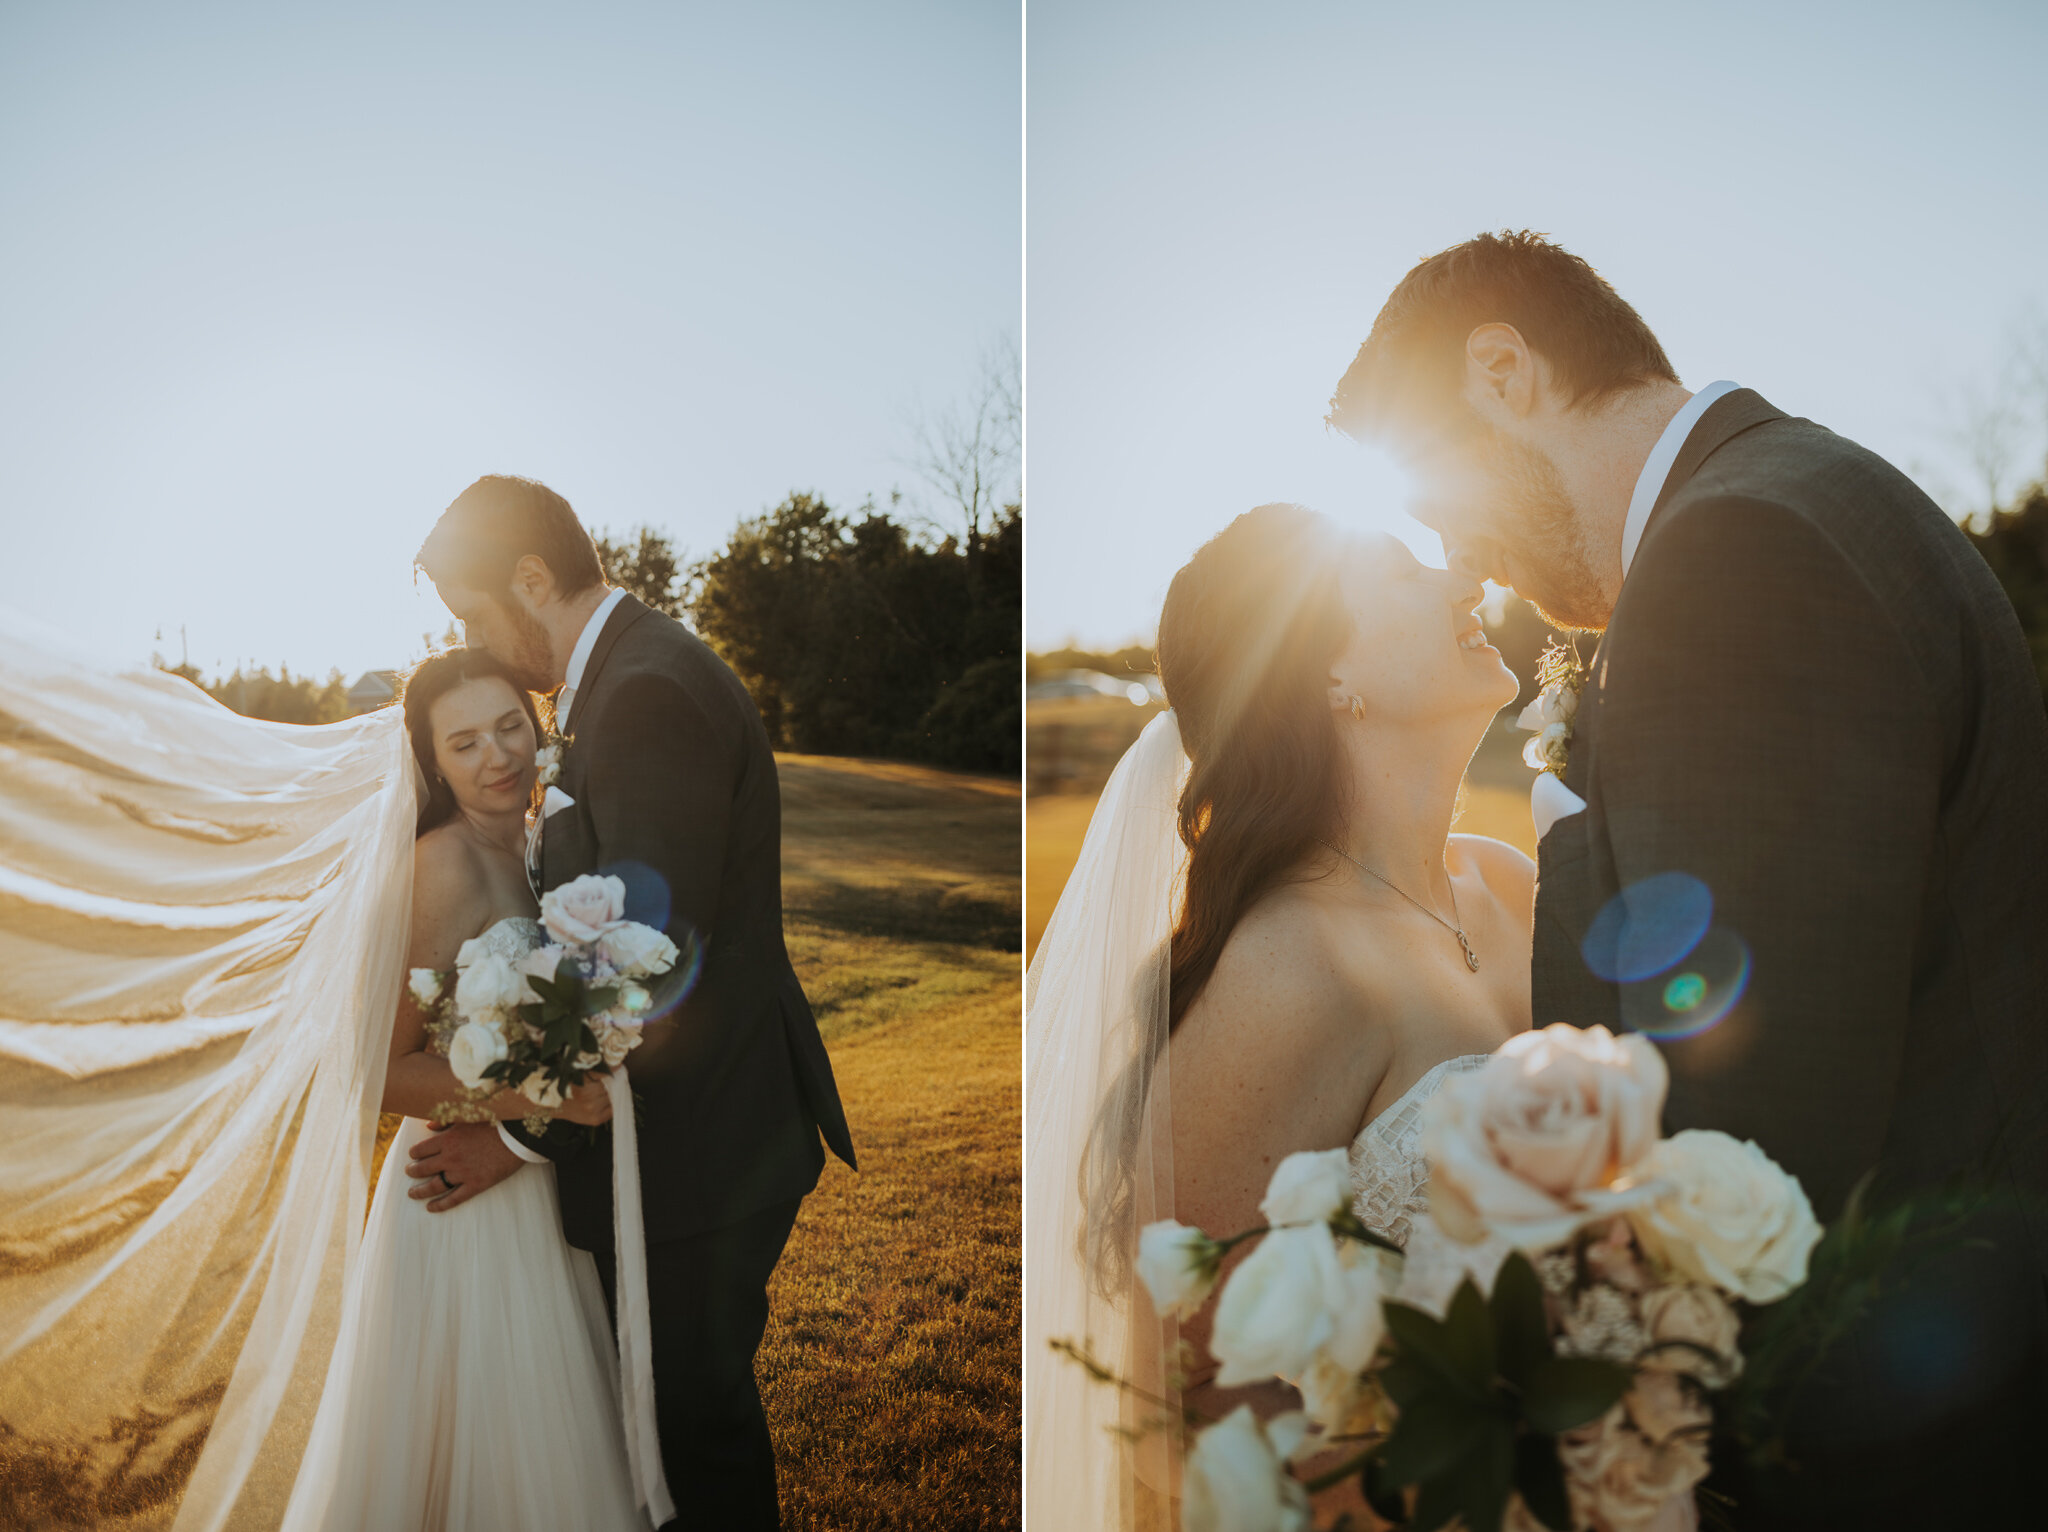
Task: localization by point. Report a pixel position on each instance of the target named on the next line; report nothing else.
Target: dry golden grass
(1057, 823)
(890, 1369)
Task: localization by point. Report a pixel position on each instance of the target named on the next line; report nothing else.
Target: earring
(1358, 707)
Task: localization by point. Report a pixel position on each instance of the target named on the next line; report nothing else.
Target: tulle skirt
(475, 1383)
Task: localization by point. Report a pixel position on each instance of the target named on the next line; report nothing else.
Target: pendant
(1471, 957)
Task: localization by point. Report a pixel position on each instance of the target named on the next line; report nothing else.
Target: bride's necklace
(1458, 930)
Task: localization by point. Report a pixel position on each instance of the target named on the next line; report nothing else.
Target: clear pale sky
(276, 282)
(1843, 206)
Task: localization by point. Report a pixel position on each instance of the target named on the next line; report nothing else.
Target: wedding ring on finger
(445, 1182)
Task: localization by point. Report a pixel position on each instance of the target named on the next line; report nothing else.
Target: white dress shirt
(579, 657)
(579, 661)
(1550, 800)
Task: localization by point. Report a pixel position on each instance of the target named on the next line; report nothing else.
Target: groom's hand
(454, 1164)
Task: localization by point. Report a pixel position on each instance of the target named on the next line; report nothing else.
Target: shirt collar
(579, 657)
(1650, 483)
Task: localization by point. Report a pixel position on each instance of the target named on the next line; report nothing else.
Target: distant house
(373, 689)
(1136, 689)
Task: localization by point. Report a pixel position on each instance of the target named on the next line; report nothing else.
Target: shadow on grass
(961, 916)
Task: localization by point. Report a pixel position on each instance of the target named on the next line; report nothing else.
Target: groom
(1813, 699)
(669, 783)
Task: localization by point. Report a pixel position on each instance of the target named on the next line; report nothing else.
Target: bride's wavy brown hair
(1247, 636)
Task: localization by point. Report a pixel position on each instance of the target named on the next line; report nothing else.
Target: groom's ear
(1501, 372)
(533, 583)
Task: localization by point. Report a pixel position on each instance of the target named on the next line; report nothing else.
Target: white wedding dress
(474, 1383)
(1390, 1195)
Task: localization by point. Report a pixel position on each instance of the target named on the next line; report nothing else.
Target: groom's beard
(532, 661)
(1539, 528)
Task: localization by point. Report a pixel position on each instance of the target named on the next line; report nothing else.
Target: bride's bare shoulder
(1289, 965)
(1507, 871)
(443, 859)
(450, 888)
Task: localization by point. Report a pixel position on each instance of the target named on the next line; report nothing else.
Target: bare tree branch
(969, 453)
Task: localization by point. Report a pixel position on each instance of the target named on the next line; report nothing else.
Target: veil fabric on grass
(1098, 1160)
(203, 924)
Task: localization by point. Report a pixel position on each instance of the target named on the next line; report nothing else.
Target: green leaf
(1568, 1391)
(1405, 1379)
(1438, 1504)
(600, 1000)
(1468, 1336)
(1381, 1494)
(1521, 1331)
(1539, 1477)
(1431, 1437)
(1486, 1478)
(1474, 1489)
(1424, 1339)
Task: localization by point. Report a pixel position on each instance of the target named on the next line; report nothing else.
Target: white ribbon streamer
(636, 1330)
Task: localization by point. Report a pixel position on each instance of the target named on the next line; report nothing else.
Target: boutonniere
(549, 757)
(1560, 677)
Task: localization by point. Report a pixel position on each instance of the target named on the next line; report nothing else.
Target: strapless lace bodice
(512, 937)
(1388, 1172)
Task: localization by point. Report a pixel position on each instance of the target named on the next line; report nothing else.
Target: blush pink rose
(1540, 1140)
(579, 913)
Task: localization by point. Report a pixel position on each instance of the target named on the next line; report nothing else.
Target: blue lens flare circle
(1648, 928)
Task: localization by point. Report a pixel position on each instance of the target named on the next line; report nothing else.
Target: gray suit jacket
(1814, 697)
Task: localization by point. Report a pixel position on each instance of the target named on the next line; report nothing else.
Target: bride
(474, 1384)
(1272, 942)
(203, 937)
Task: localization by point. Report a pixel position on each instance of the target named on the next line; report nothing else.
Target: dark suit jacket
(1814, 697)
(675, 791)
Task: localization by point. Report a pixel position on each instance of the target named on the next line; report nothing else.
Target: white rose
(1177, 1264)
(1285, 1306)
(475, 1046)
(1729, 1215)
(581, 911)
(637, 950)
(489, 984)
(614, 1043)
(1309, 1187)
(1553, 705)
(1235, 1482)
(425, 984)
(540, 1090)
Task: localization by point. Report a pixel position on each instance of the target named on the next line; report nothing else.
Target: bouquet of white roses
(1548, 1359)
(543, 1023)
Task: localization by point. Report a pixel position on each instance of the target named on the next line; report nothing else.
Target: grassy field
(890, 1368)
(1057, 822)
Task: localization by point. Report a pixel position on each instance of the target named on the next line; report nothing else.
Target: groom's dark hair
(499, 520)
(1412, 366)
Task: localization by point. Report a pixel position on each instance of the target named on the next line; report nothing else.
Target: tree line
(875, 632)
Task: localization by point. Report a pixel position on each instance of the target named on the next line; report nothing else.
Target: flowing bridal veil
(203, 922)
(1098, 1158)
